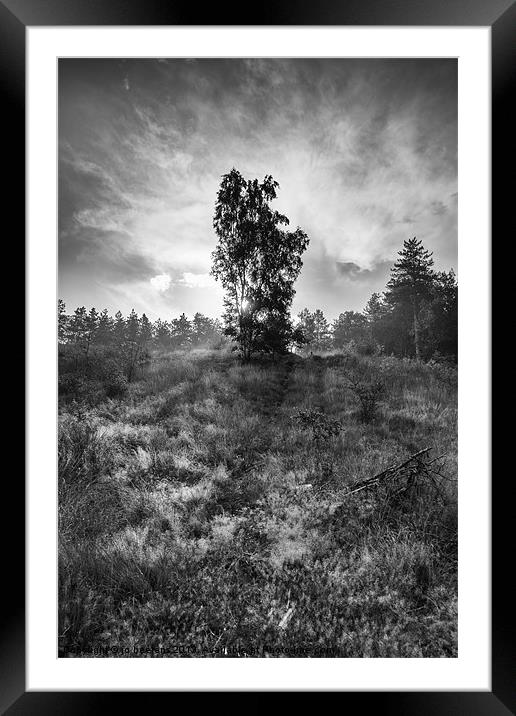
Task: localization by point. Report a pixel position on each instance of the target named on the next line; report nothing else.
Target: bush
(69, 383)
(323, 430)
(322, 427)
(364, 347)
(92, 379)
(370, 393)
(114, 382)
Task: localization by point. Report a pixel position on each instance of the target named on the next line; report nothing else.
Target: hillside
(201, 515)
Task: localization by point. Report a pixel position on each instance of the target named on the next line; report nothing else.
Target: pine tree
(91, 326)
(119, 331)
(349, 326)
(440, 318)
(375, 308)
(145, 336)
(181, 330)
(376, 314)
(411, 283)
(307, 326)
(77, 333)
(162, 333)
(203, 330)
(322, 337)
(132, 343)
(315, 329)
(105, 328)
(62, 322)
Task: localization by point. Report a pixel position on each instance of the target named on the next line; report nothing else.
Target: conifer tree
(181, 330)
(132, 342)
(322, 337)
(91, 326)
(62, 322)
(105, 328)
(349, 326)
(119, 331)
(162, 333)
(411, 283)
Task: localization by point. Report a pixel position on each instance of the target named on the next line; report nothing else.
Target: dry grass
(197, 516)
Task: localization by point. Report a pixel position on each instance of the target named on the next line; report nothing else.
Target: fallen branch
(395, 471)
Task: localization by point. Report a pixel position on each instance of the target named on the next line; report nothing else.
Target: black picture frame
(500, 16)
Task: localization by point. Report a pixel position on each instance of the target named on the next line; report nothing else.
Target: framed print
(258, 427)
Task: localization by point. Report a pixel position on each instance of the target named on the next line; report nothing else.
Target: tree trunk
(416, 332)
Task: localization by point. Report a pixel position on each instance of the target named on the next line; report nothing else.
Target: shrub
(323, 430)
(364, 347)
(322, 427)
(370, 393)
(115, 383)
(69, 383)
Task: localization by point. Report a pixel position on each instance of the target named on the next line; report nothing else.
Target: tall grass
(197, 516)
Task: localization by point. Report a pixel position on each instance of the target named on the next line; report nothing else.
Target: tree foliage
(91, 343)
(410, 284)
(257, 262)
(316, 330)
(417, 314)
(349, 327)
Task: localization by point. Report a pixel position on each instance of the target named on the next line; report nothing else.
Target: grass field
(198, 516)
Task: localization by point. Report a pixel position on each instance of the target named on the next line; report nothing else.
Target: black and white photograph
(257, 358)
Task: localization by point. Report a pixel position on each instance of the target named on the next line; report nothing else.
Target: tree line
(416, 316)
(257, 260)
(85, 335)
(85, 328)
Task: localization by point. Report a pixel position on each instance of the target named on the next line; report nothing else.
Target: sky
(365, 153)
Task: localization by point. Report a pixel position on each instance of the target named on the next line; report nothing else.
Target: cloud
(161, 282)
(438, 208)
(364, 151)
(354, 272)
(198, 280)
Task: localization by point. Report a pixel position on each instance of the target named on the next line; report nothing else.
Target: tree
(440, 316)
(255, 260)
(315, 329)
(181, 332)
(375, 309)
(104, 333)
(77, 330)
(131, 343)
(145, 332)
(349, 326)
(306, 326)
(119, 331)
(411, 283)
(91, 325)
(322, 336)
(62, 321)
(138, 335)
(162, 333)
(379, 328)
(277, 334)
